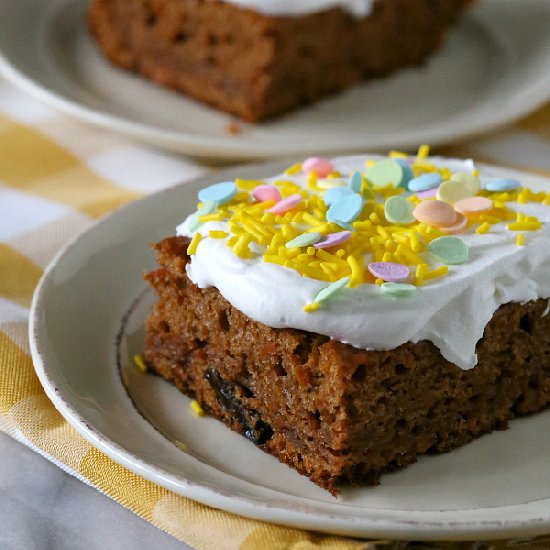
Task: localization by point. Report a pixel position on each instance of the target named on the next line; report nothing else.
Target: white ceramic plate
(497, 486)
(494, 68)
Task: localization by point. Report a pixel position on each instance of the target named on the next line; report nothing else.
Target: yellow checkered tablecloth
(56, 177)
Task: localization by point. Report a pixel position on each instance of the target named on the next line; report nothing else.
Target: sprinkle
(449, 249)
(389, 271)
(398, 289)
(213, 234)
(322, 167)
(356, 182)
(502, 184)
(483, 228)
(428, 194)
(452, 191)
(312, 306)
(336, 194)
(424, 182)
(139, 363)
(459, 226)
(265, 193)
(192, 248)
(326, 293)
(219, 193)
(294, 169)
(332, 239)
(385, 172)
(423, 152)
(356, 272)
(305, 239)
(286, 204)
(435, 212)
(520, 239)
(474, 205)
(398, 209)
(524, 226)
(408, 174)
(471, 181)
(331, 183)
(196, 408)
(439, 272)
(346, 209)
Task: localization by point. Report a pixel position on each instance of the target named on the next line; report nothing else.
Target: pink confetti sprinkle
(333, 239)
(389, 271)
(436, 213)
(457, 227)
(286, 204)
(266, 193)
(429, 194)
(321, 166)
(474, 205)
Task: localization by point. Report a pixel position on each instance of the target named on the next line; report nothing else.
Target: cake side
(258, 66)
(334, 412)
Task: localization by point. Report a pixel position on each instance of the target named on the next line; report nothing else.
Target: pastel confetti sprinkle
(336, 194)
(331, 183)
(434, 212)
(333, 239)
(431, 180)
(220, 193)
(459, 226)
(305, 239)
(401, 290)
(346, 209)
(285, 205)
(398, 209)
(385, 172)
(193, 223)
(356, 182)
(474, 205)
(408, 174)
(322, 167)
(471, 181)
(449, 249)
(428, 194)
(452, 191)
(326, 293)
(389, 271)
(502, 184)
(264, 193)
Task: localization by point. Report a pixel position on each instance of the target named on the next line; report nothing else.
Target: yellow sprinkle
(312, 220)
(139, 363)
(248, 184)
(519, 239)
(217, 234)
(294, 169)
(387, 257)
(181, 445)
(370, 163)
(379, 282)
(397, 154)
(197, 409)
(423, 152)
(232, 240)
(524, 226)
(310, 251)
(216, 217)
(274, 259)
(334, 175)
(356, 272)
(313, 306)
(421, 270)
(483, 228)
(240, 248)
(438, 272)
(373, 217)
(192, 248)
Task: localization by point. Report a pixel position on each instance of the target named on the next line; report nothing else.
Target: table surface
(43, 507)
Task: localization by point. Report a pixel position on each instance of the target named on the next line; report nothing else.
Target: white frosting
(450, 311)
(358, 8)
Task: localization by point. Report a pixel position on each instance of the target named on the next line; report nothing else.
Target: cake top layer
(358, 8)
(376, 251)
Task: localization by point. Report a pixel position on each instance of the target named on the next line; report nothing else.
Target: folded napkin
(56, 177)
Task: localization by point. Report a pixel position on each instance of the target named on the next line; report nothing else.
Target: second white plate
(494, 68)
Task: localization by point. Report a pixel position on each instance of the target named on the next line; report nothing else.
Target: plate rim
(531, 96)
(375, 522)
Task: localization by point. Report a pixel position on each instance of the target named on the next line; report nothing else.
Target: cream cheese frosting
(358, 8)
(450, 311)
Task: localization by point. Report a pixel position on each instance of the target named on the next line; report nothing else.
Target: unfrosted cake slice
(352, 314)
(260, 58)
